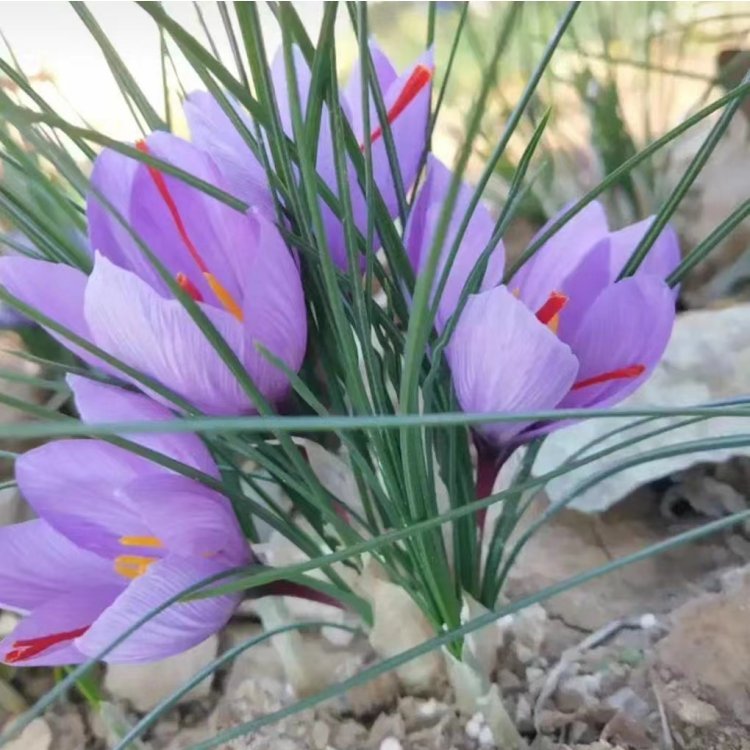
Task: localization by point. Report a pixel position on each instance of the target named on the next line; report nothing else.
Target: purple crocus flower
(563, 333)
(235, 265)
(116, 536)
(407, 102)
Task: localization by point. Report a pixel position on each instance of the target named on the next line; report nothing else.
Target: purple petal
(58, 619)
(274, 312)
(663, 257)
(74, 485)
(189, 518)
(212, 131)
(386, 75)
(549, 267)
(112, 178)
(409, 130)
(422, 226)
(98, 403)
(180, 627)
(158, 337)
(57, 291)
(504, 360)
(582, 286)
(215, 231)
(281, 84)
(38, 563)
(628, 326)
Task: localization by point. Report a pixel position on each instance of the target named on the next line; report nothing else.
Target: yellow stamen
(140, 541)
(554, 323)
(132, 566)
(226, 299)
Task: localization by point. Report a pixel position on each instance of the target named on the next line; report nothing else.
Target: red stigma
(554, 304)
(27, 649)
(633, 371)
(420, 77)
(188, 287)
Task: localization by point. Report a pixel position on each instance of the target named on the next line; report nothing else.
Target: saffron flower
(564, 332)
(116, 536)
(234, 265)
(407, 103)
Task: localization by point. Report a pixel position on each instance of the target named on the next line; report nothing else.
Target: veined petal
(213, 131)
(190, 519)
(47, 636)
(625, 330)
(663, 257)
(191, 232)
(158, 337)
(422, 226)
(74, 485)
(385, 74)
(504, 360)
(178, 628)
(547, 270)
(37, 563)
(57, 291)
(112, 178)
(409, 116)
(98, 402)
(274, 312)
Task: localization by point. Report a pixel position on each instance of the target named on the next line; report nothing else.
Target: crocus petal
(57, 291)
(112, 178)
(628, 325)
(57, 622)
(74, 486)
(557, 258)
(582, 286)
(281, 84)
(179, 627)
(422, 226)
(663, 257)
(504, 360)
(214, 230)
(213, 131)
(158, 337)
(190, 519)
(98, 402)
(409, 130)
(385, 74)
(38, 563)
(274, 312)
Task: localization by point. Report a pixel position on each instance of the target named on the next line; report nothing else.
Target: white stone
(485, 737)
(707, 360)
(36, 736)
(391, 743)
(473, 729)
(145, 685)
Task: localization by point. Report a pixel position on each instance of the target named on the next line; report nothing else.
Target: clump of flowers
(174, 268)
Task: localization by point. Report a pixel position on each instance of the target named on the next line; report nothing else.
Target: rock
(67, 729)
(528, 628)
(573, 542)
(387, 726)
(578, 692)
(36, 736)
(399, 624)
(708, 359)
(319, 735)
(145, 685)
(708, 653)
(691, 710)
(627, 702)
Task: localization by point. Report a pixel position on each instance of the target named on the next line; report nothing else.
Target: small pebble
(648, 621)
(473, 729)
(391, 743)
(485, 737)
